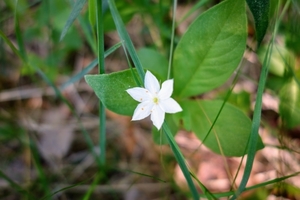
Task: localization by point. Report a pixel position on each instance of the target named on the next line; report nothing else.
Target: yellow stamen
(155, 100)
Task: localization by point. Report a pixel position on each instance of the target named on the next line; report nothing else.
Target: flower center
(155, 100)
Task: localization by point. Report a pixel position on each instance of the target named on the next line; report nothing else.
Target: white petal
(142, 111)
(170, 106)
(151, 83)
(157, 116)
(139, 94)
(166, 89)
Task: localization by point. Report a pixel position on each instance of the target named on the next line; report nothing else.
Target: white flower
(154, 101)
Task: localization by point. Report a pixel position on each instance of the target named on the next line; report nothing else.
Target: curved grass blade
(180, 159)
(62, 189)
(276, 180)
(125, 37)
(92, 187)
(12, 47)
(16, 186)
(257, 109)
(74, 13)
(206, 192)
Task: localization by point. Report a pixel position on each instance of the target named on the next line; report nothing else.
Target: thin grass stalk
(131, 50)
(16, 186)
(180, 161)
(252, 142)
(92, 187)
(125, 37)
(172, 38)
(260, 185)
(19, 34)
(101, 70)
(42, 175)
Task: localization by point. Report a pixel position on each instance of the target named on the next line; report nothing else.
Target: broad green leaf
(111, 90)
(77, 7)
(260, 11)
(230, 134)
(289, 107)
(211, 49)
(154, 62)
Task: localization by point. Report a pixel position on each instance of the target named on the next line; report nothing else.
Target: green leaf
(154, 62)
(230, 134)
(92, 12)
(289, 107)
(211, 49)
(111, 90)
(75, 12)
(260, 12)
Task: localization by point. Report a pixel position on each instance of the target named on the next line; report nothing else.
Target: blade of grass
(206, 192)
(88, 33)
(15, 186)
(125, 37)
(62, 189)
(74, 13)
(58, 94)
(101, 70)
(19, 34)
(276, 180)
(92, 12)
(172, 39)
(257, 109)
(92, 187)
(87, 69)
(180, 160)
(12, 47)
(36, 160)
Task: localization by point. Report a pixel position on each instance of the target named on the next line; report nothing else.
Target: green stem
(257, 109)
(172, 39)
(100, 45)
